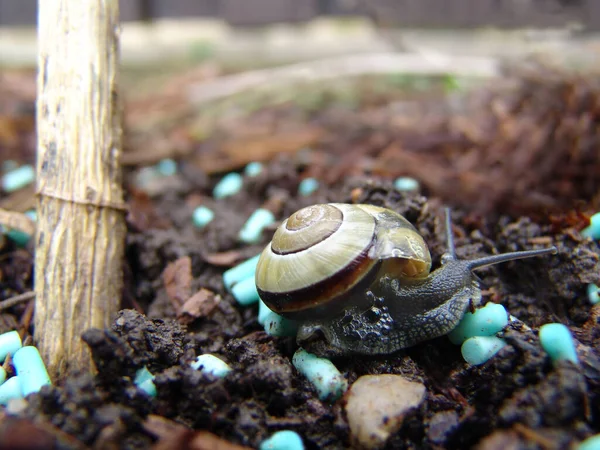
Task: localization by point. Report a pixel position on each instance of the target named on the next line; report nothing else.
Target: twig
(346, 66)
(17, 299)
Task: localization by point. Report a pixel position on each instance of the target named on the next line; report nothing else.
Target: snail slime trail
(361, 275)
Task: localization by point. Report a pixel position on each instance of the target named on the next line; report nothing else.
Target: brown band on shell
(323, 299)
(305, 228)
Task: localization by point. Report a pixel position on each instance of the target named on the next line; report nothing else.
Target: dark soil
(517, 400)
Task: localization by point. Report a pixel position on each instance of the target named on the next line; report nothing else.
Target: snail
(360, 274)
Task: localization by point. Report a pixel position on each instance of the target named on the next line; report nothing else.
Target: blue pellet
(240, 272)
(283, 440)
(148, 387)
(252, 230)
(10, 389)
(308, 186)
(591, 443)
(142, 375)
(322, 374)
(486, 321)
(593, 230)
(557, 341)
(229, 185)
(9, 343)
(211, 364)
(479, 349)
(18, 178)
(202, 216)
(253, 169)
(276, 325)
(20, 238)
(3, 375)
(593, 295)
(245, 291)
(30, 369)
(406, 184)
(263, 312)
(166, 167)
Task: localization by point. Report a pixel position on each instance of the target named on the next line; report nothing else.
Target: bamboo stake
(81, 223)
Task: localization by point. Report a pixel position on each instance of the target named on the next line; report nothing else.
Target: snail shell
(325, 256)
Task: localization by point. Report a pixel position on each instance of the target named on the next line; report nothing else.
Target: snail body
(360, 274)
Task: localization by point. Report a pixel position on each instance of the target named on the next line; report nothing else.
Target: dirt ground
(517, 162)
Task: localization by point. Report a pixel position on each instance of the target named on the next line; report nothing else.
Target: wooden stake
(81, 222)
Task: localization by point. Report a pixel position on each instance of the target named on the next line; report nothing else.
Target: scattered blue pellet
(593, 295)
(479, 349)
(308, 186)
(30, 369)
(18, 178)
(3, 375)
(166, 167)
(406, 184)
(322, 374)
(9, 343)
(144, 380)
(211, 364)
(486, 321)
(10, 390)
(283, 440)
(20, 238)
(229, 185)
(142, 375)
(245, 292)
(202, 216)
(240, 272)
(276, 325)
(253, 169)
(252, 230)
(593, 230)
(591, 443)
(557, 341)
(263, 312)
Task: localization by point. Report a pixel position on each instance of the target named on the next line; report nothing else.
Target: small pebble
(166, 167)
(557, 341)
(253, 169)
(9, 343)
(283, 440)
(486, 321)
(276, 325)
(406, 184)
(263, 312)
(593, 230)
(229, 185)
(591, 443)
(211, 364)
(322, 374)
(240, 272)
(245, 291)
(18, 178)
(10, 389)
(592, 292)
(479, 349)
(252, 230)
(308, 186)
(30, 369)
(202, 216)
(377, 404)
(3, 375)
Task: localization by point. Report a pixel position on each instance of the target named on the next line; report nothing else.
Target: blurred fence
(408, 13)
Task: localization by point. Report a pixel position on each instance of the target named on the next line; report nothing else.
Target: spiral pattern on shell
(323, 255)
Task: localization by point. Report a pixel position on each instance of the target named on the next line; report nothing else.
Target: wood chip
(224, 259)
(17, 221)
(177, 278)
(201, 304)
